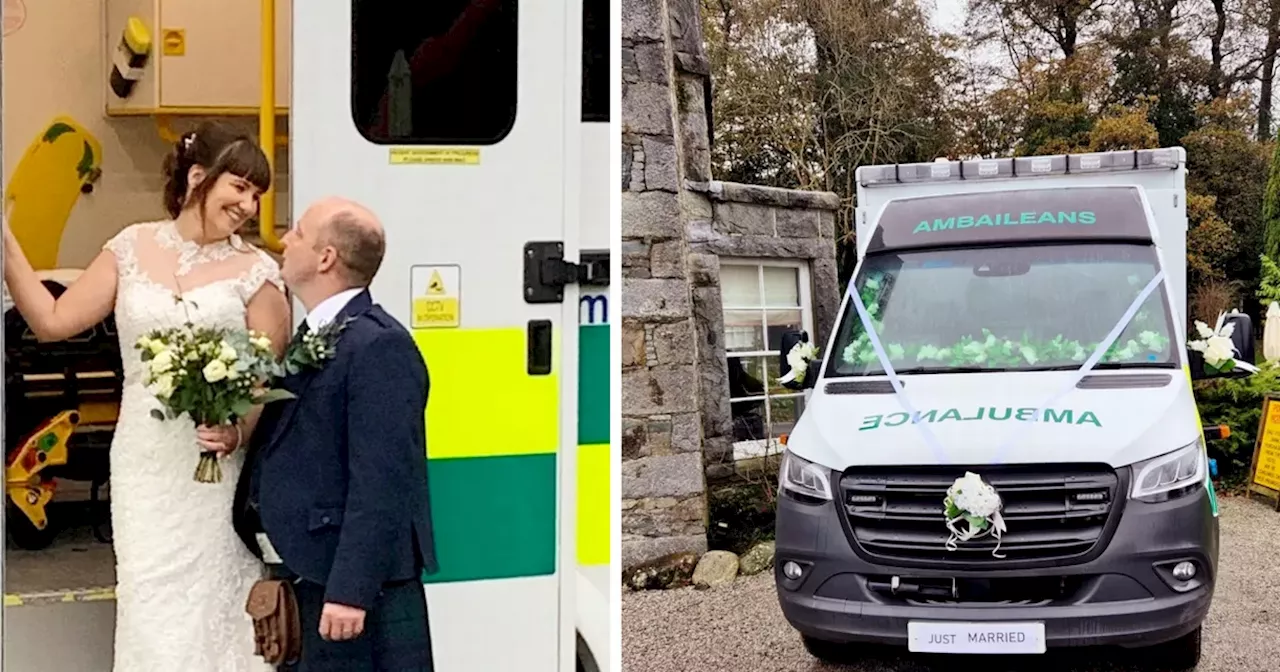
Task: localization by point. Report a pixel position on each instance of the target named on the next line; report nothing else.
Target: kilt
(396, 637)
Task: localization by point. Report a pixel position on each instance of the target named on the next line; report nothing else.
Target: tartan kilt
(396, 637)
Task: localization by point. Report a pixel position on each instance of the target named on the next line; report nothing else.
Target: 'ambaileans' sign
(1080, 217)
(1066, 214)
(939, 416)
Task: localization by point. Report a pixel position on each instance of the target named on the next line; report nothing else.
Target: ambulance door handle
(538, 348)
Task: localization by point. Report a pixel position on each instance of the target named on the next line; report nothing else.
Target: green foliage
(741, 516)
(315, 348)
(1211, 243)
(1237, 404)
(1271, 208)
(1269, 282)
(1231, 166)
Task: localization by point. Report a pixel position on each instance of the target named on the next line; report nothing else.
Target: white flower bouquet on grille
(213, 376)
(973, 502)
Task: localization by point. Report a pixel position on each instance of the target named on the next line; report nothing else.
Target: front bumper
(1119, 598)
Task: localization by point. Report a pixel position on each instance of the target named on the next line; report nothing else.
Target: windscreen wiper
(948, 369)
(1106, 366)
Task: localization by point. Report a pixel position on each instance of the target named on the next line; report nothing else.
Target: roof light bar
(1040, 165)
(1026, 166)
(984, 169)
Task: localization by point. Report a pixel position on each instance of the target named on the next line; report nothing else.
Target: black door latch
(546, 272)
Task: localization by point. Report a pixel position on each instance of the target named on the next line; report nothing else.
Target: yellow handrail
(267, 126)
(167, 133)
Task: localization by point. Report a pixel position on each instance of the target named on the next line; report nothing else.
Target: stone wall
(676, 222)
(664, 143)
(762, 222)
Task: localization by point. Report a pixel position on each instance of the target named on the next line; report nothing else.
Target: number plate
(983, 638)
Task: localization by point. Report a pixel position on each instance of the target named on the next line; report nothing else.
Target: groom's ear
(328, 259)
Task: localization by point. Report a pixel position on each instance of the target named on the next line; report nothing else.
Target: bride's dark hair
(218, 149)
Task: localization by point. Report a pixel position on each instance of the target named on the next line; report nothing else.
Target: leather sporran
(277, 629)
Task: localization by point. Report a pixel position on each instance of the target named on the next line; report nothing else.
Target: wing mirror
(789, 340)
(1245, 350)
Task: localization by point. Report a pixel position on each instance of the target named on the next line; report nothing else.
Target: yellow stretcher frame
(30, 493)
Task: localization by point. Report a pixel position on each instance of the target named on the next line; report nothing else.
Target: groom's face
(301, 259)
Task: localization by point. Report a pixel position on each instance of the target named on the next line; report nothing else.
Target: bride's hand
(222, 439)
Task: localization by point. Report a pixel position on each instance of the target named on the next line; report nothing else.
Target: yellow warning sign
(436, 286)
(446, 156)
(437, 297)
(1266, 453)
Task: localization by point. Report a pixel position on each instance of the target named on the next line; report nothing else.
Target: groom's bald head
(337, 244)
(357, 235)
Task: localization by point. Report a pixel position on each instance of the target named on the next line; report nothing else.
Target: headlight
(803, 477)
(1170, 475)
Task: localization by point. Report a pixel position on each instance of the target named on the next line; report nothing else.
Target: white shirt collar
(327, 310)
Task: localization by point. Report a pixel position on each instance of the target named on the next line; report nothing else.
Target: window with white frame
(763, 299)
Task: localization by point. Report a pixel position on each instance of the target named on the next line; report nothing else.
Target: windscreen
(1028, 308)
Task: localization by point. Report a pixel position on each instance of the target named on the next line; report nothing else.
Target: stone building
(713, 274)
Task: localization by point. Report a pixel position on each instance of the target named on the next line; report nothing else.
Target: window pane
(748, 420)
(746, 377)
(740, 286)
(595, 60)
(784, 413)
(743, 330)
(781, 286)
(427, 73)
(782, 321)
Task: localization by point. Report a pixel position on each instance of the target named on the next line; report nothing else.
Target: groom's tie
(303, 329)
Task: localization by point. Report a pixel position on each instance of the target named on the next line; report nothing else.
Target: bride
(182, 574)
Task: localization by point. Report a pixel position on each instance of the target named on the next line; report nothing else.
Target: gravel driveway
(740, 628)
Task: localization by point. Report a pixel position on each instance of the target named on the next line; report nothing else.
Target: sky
(948, 14)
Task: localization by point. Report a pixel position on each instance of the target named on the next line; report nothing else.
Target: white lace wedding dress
(182, 573)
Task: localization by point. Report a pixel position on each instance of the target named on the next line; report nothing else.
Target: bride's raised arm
(87, 301)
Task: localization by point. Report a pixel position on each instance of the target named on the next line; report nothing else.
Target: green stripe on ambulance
(593, 429)
(492, 440)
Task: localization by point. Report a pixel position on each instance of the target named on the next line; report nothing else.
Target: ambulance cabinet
(205, 56)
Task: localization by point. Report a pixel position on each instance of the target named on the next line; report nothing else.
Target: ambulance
(478, 131)
(1002, 453)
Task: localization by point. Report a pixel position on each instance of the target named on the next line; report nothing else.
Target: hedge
(1236, 403)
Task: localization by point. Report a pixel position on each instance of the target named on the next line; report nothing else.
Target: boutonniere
(315, 347)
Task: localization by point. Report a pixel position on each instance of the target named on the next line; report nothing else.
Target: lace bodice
(157, 266)
(182, 573)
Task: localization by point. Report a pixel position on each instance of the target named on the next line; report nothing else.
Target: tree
(1271, 28)
(1060, 21)
(762, 75)
(1271, 208)
(1156, 66)
(1224, 161)
(881, 86)
(1269, 283)
(1210, 242)
(805, 91)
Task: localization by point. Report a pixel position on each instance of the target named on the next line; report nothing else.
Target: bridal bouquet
(214, 376)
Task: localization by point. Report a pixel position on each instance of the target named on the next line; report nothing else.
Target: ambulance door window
(595, 60)
(439, 72)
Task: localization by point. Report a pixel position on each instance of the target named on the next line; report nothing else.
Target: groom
(334, 491)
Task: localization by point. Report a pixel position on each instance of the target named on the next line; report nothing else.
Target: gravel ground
(740, 628)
